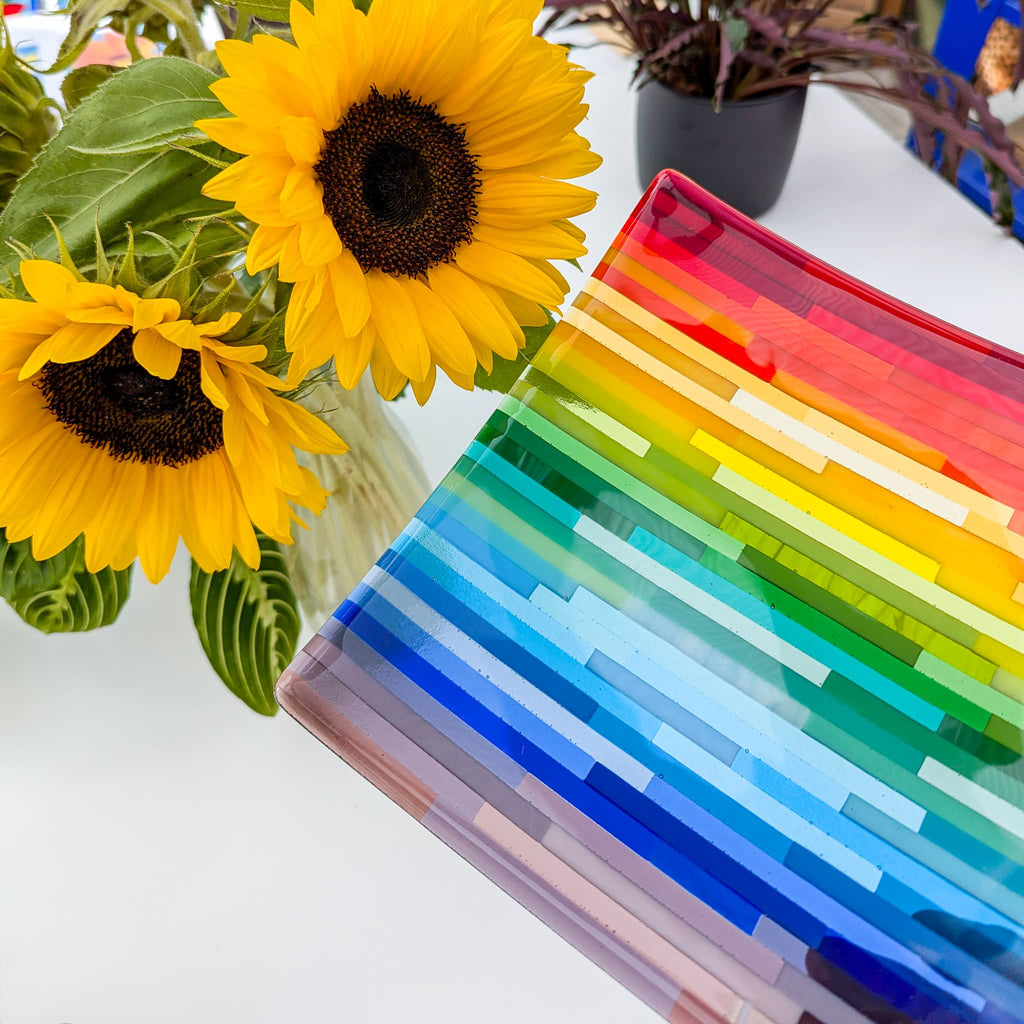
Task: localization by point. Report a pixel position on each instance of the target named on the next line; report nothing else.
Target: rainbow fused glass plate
(710, 649)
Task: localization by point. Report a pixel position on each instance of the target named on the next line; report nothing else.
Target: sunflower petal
(351, 293)
(241, 136)
(399, 329)
(387, 378)
(468, 301)
(75, 342)
(47, 282)
(446, 337)
(57, 519)
(156, 354)
(212, 380)
(265, 247)
(545, 241)
(509, 271)
(302, 197)
(353, 356)
(112, 529)
(518, 201)
(424, 389)
(159, 523)
(182, 333)
(319, 242)
(300, 427)
(150, 312)
(303, 138)
(223, 324)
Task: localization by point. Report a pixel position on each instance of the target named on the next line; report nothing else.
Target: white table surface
(167, 856)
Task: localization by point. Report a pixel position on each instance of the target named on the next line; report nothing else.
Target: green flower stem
(182, 17)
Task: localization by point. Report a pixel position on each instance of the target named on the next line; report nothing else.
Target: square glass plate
(710, 649)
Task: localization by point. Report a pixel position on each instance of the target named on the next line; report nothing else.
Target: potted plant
(723, 87)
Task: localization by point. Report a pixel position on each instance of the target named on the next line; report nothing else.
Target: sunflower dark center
(114, 404)
(399, 185)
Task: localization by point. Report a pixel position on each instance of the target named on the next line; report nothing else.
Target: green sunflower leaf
(248, 623)
(268, 10)
(82, 82)
(58, 595)
(112, 156)
(506, 372)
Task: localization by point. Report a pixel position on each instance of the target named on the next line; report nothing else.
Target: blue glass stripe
(553, 774)
(801, 637)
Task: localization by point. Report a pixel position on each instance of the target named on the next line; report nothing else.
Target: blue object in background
(962, 33)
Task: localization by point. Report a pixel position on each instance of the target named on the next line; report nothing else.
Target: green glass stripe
(505, 437)
(597, 387)
(685, 470)
(966, 750)
(979, 884)
(787, 581)
(552, 431)
(961, 659)
(1006, 735)
(608, 506)
(563, 512)
(616, 511)
(978, 851)
(899, 730)
(685, 482)
(880, 726)
(759, 587)
(874, 596)
(546, 537)
(961, 757)
(983, 747)
(962, 818)
(666, 615)
(939, 696)
(969, 688)
(880, 644)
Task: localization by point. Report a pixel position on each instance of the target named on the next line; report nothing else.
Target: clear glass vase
(372, 492)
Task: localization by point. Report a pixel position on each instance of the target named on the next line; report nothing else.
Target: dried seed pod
(998, 57)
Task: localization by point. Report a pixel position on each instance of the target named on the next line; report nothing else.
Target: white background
(166, 856)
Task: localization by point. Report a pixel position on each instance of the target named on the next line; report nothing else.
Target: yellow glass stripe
(610, 360)
(811, 504)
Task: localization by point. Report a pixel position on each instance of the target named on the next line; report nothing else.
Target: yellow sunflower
(121, 421)
(404, 169)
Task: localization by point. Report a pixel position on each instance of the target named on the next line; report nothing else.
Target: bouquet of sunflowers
(336, 190)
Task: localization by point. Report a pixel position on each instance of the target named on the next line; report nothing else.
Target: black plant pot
(740, 153)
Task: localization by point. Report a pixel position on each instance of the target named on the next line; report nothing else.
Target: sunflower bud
(27, 118)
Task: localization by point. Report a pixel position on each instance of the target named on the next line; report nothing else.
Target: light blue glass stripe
(744, 720)
(525, 485)
(757, 611)
(533, 629)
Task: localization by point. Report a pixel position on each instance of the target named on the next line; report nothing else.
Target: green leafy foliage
(174, 24)
(277, 10)
(27, 118)
(111, 161)
(268, 10)
(507, 371)
(248, 624)
(82, 82)
(59, 595)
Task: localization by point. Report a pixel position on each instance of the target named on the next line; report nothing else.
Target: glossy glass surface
(709, 649)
